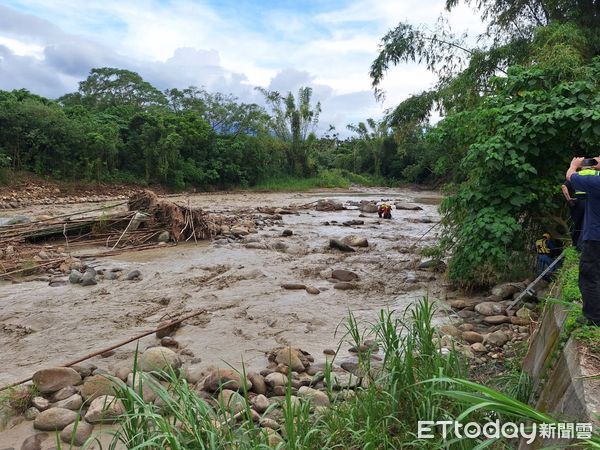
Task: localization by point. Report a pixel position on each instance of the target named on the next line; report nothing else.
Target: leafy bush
(530, 128)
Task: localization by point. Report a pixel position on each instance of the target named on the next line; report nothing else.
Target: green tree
(518, 105)
(225, 114)
(464, 70)
(293, 121)
(107, 88)
(372, 136)
(530, 128)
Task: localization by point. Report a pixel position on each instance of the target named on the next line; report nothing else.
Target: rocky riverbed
(285, 275)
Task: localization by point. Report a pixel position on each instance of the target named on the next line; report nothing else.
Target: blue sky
(227, 46)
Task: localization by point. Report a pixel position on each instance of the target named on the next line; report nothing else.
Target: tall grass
(477, 398)
(386, 412)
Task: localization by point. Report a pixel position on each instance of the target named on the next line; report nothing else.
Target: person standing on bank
(576, 200)
(589, 264)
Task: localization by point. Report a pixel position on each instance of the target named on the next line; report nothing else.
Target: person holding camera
(588, 180)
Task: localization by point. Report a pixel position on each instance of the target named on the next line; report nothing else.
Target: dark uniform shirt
(590, 185)
(569, 186)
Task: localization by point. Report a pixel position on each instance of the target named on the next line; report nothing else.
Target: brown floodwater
(246, 311)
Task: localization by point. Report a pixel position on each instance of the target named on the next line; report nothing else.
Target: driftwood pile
(182, 222)
(30, 247)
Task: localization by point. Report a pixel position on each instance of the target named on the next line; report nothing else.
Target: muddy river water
(247, 310)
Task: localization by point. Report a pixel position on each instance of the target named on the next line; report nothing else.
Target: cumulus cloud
(16, 24)
(18, 72)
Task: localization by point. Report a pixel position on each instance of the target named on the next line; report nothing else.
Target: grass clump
(16, 400)
(589, 336)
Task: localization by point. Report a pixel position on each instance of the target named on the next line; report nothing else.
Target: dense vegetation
(118, 127)
(517, 107)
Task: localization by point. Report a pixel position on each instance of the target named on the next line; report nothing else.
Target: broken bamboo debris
(147, 218)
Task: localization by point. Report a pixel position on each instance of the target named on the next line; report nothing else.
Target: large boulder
(145, 382)
(260, 403)
(76, 433)
(490, 308)
(497, 338)
(259, 385)
(356, 241)
(520, 321)
(344, 275)
(465, 303)
(317, 398)
(472, 337)
(224, 379)
(328, 205)
(239, 230)
(524, 313)
(450, 330)
(478, 347)
(75, 277)
(293, 286)
(159, 359)
(194, 374)
(89, 278)
(104, 409)
(231, 400)
(73, 403)
(339, 245)
(368, 207)
(507, 290)
(40, 403)
(291, 357)
(276, 379)
(54, 419)
(407, 206)
(344, 286)
(496, 320)
(64, 393)
(342, 380)
(98, 385)
(52, 380)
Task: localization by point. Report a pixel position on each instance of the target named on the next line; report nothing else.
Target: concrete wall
(561, 376)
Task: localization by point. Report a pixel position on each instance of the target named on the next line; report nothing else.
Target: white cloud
(21, 48)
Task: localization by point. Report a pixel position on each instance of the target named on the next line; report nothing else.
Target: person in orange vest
(384, 210)
(546, 250)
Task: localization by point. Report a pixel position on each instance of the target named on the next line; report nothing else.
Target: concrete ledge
(562, 377)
